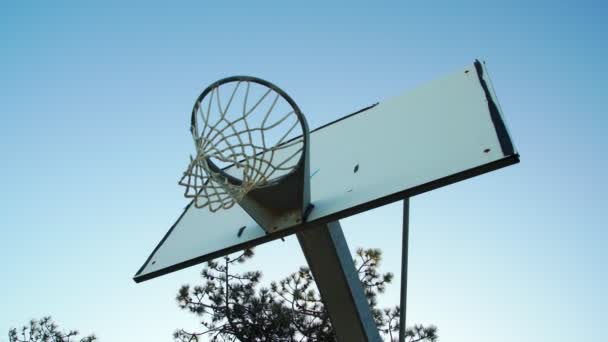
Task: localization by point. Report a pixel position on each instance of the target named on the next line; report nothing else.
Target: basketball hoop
(252, 149)
(248, 134)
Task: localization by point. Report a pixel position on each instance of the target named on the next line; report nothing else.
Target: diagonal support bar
(332, 266)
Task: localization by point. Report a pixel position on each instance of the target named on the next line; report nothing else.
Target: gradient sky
(94, 118)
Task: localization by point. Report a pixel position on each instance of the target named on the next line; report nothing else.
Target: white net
(246, 135)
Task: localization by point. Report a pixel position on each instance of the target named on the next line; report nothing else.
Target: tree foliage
(45, 330)
(236, 307)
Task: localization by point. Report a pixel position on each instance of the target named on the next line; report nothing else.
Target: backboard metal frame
(509, 157)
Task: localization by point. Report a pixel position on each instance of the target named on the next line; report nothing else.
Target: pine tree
(45, 330)
(236, 307)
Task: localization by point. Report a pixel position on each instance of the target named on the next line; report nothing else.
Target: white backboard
(443, 132)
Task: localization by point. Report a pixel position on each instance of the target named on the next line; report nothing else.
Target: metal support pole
(404, 252)
(332, 266)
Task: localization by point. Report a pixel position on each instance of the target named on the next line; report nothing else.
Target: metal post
(404, 252)
(332, 266)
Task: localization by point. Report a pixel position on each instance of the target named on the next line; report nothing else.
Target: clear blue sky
(94, 104)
